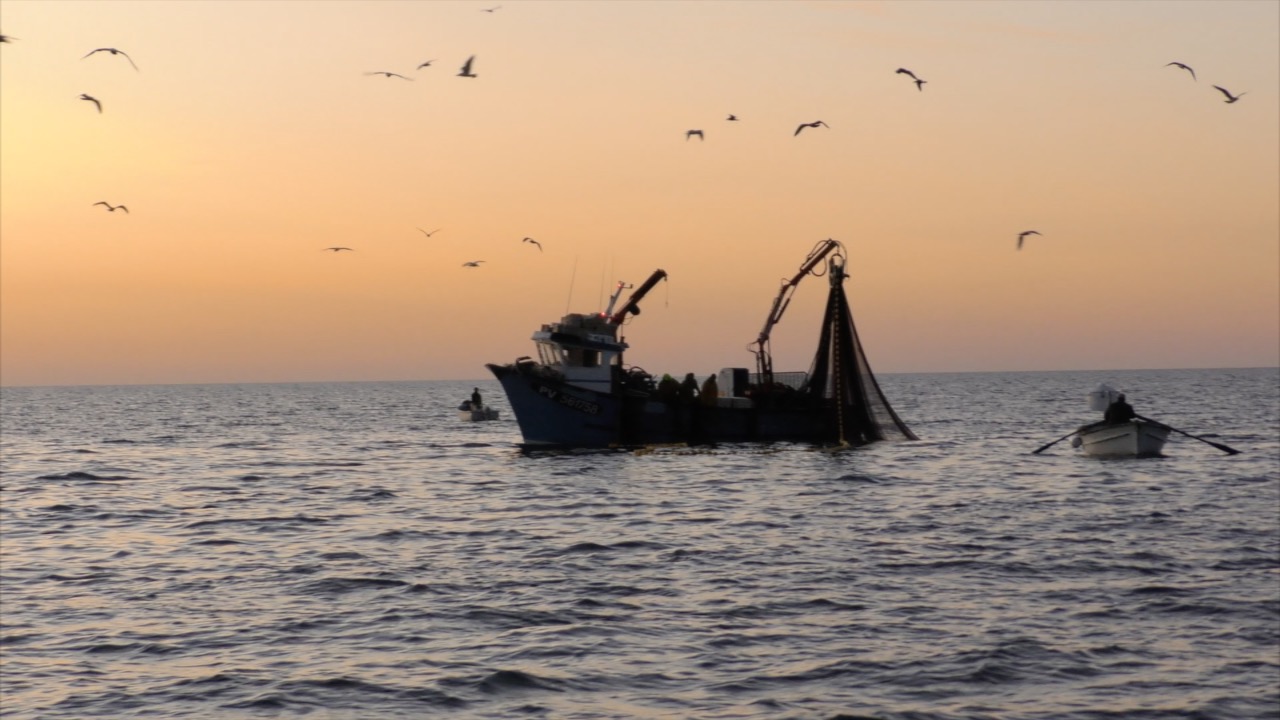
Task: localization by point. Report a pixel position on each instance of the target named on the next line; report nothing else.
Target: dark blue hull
(553, 414)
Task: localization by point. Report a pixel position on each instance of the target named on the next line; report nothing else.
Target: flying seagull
(112, 208)
(337, 249)
(428, 234)
(690, 133)
(426, 64)
(495, 8)
(7, 38)
(388, 74)
(1184, 67)
(466, 68)
(732, 118)
(473, 263)
(535, 242)
(113, 51)
(92, 99)
(919, 83)
(1230, 98)
(1023, 236)
(814, 124)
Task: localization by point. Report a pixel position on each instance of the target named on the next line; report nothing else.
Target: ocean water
(355, 551)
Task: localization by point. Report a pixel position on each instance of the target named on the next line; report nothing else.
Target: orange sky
(251, 137)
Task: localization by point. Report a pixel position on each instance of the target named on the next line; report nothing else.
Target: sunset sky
(250, 137)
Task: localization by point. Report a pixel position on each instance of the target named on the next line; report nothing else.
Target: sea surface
(353, 550)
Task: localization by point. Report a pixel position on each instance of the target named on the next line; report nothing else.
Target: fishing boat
(1133, 438)
(579, 393)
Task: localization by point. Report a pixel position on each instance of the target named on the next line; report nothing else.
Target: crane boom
(764, 362)
(632, 305)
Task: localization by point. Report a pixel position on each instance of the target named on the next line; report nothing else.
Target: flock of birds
(466, 71)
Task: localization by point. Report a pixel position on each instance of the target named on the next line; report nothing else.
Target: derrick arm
(632, 306)
(764, 362)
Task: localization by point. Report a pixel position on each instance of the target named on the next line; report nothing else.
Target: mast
(632, 306)
(764, 361)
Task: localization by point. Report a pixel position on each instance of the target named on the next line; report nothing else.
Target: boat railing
(793, 380)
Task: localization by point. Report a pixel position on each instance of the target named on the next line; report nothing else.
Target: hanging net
(840, 371)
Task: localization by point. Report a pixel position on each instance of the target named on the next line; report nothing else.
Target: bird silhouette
(1184, 67)
(428, 234)
(919, 83)
(7, 38)
(337, 249)
(690, 133)
(814, 124)
(732, 118)
(495, 8)
(92, 99)
(1230, 98)
(535, 242)
(466, 68)
(426, 64)
(473, 263)
(113, 51)
(112, 208)
(388, 74)
(1023, 236)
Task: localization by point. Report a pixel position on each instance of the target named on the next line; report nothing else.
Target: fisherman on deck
(689, 388)
(710, 391)
(1119, 412)
(476, 404)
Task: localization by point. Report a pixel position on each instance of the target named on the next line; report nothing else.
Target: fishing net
(840, 371)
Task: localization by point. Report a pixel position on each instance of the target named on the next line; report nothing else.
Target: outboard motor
(1101, 398)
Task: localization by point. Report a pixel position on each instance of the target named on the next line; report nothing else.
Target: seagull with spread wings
(466, 68)
(112, 208)
(113, 51)
(388, 74)
(690, 133)
(473, 263)
(919, 83)
(814, 124)
(337, 249)
(428, 234)
(426, 64)
(732, 118)
(1023, 236)
(1230, 98)
(1184, 67)
(93, 100)
(535, 242)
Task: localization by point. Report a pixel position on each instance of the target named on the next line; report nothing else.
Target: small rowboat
(469, 413)
(1135, 438)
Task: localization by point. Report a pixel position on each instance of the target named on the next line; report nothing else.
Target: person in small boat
(1119, 411)
(476, 403)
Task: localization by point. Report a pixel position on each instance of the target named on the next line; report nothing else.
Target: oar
(1220, 446)
(1055, 442)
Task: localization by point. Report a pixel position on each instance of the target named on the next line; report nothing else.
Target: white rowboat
(1135, 438)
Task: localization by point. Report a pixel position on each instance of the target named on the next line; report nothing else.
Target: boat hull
(1135, 438)
(552, 413)
(478, 415)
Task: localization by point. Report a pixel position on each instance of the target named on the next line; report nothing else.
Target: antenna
(572, 277)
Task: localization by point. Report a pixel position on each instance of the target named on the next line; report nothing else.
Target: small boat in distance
(577, 393)
(473, 413)
(1132, 438)
(1121, 433)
